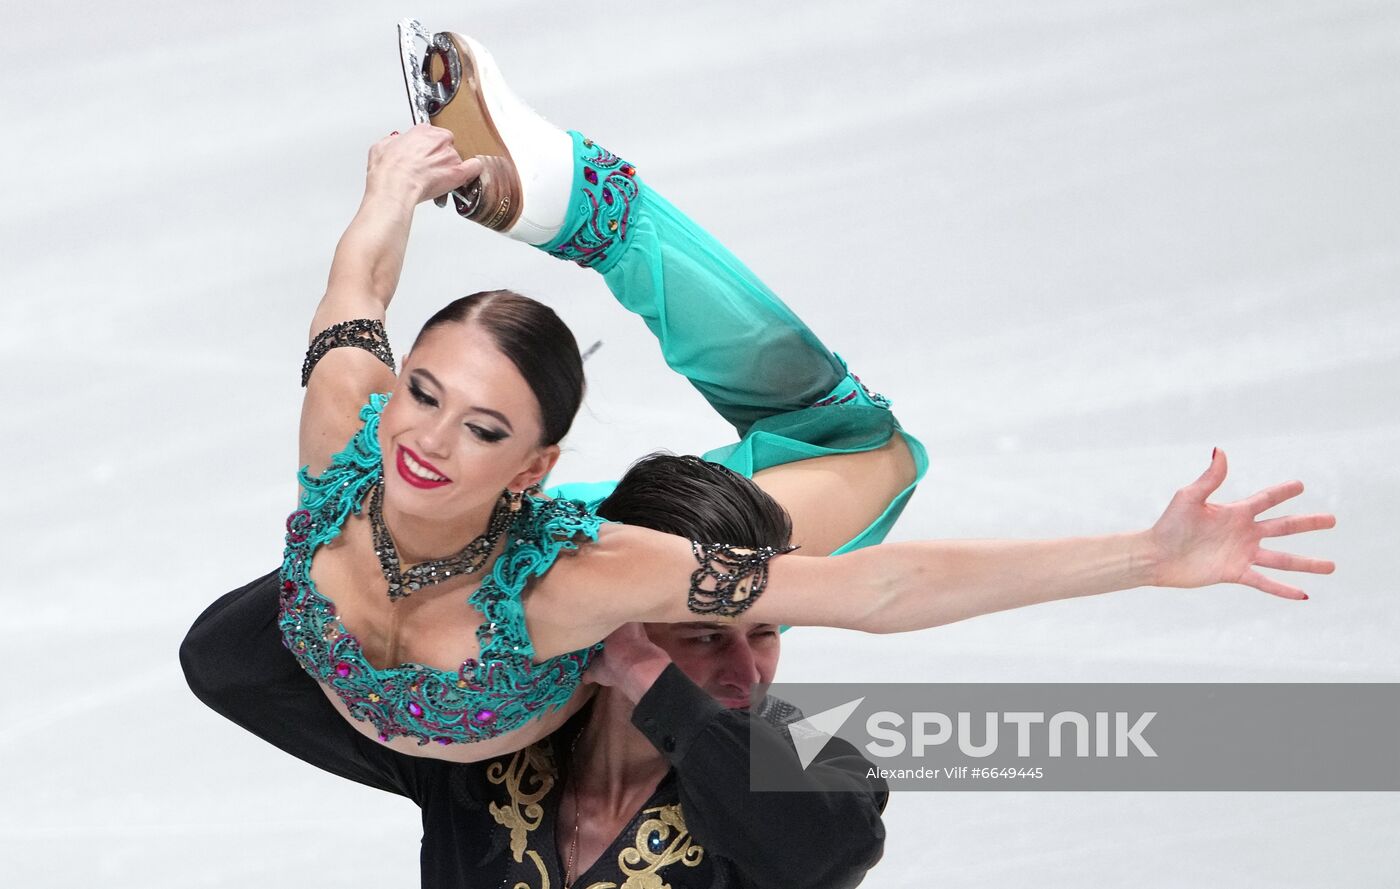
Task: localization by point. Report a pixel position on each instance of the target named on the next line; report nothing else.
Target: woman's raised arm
(636, 574)
(403, 171)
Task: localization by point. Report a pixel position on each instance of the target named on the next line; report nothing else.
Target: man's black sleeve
(235, 662)
(827, 836)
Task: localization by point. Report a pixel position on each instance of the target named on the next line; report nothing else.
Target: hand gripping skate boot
(454, 83)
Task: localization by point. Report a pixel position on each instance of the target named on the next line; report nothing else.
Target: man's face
(725, 659)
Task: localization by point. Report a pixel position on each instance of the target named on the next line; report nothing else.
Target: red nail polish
(1213, 452)
(1305, 597)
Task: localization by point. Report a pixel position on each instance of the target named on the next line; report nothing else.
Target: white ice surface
(1078, 242)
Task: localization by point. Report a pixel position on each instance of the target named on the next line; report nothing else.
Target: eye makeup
(485, 434)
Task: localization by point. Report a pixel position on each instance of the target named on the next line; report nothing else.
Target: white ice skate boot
(454, 83)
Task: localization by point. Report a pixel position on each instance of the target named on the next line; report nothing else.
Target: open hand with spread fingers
(1198, 543)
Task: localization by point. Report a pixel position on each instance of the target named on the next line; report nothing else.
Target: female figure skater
(432, 500)
(647, 783)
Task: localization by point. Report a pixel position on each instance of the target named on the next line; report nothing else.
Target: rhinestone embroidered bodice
(498, 691)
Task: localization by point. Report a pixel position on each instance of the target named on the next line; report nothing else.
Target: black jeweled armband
(737, 576)
(363, 333)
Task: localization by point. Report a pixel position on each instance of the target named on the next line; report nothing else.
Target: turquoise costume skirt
(788, 397)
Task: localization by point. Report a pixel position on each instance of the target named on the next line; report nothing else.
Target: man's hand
(630, 662)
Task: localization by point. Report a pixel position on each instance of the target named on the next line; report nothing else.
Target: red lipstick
(408, 476)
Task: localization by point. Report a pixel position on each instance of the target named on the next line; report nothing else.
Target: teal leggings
(753, 360)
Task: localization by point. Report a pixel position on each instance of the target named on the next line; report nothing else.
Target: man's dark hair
(694, 498)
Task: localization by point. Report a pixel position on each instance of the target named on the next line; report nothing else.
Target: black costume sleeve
(828, 836)
(235, 662)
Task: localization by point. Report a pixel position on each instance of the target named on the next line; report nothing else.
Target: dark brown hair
(697, 499)
(540, 345)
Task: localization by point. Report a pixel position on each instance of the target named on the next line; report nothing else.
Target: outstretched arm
(636, 574)
(403, 171)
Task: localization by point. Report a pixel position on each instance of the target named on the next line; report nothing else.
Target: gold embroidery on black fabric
(661, 839)
(539, 865)
(528, 778)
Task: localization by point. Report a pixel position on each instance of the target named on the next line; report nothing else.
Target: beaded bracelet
(362, 333)
(728, 568)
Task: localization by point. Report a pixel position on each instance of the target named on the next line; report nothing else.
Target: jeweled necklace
(466, 561)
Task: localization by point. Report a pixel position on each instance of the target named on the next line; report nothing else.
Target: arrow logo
(810, 734)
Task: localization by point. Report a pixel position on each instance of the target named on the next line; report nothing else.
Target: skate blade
(438, 69)
(411, 31)
(423, 97)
